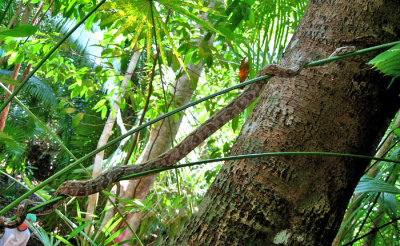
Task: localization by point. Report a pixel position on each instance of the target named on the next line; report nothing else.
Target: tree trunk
(162, 136)
(340, 107)
(160, 141)
(107, 130)
(24, 20)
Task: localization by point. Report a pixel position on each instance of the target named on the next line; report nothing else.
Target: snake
(19, 218)
(215, 122)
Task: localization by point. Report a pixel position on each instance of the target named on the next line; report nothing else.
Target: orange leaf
(244, 69)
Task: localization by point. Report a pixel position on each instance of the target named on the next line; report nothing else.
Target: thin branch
(222, 159)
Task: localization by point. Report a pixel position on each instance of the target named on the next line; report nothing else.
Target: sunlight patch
(282, 237)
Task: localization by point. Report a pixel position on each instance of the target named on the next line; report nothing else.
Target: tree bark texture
(340, 107)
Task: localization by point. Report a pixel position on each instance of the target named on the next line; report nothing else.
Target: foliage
(76, 87)
(388, 62)
(20, 31)
(375, 201)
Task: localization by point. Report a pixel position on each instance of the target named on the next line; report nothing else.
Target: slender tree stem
(270, 154)
(237, 157)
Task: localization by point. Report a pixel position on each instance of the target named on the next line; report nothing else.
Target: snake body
(110, 176)
(85, 188)
(20, 216)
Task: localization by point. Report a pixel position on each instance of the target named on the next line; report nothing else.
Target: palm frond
(388, 62)
(42, 91)
(369, 184)
(10, 145)
(38, 89)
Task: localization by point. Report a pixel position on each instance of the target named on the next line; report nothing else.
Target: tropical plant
(76, 88)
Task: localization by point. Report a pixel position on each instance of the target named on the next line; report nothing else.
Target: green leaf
(388, 62)
(77, 119)
(114, 235)
(235, 123)
(75, 92)
(12, 57)
(78, 229)
(397, 131)
(138, 203)
(60, 239)
(5, 136)
(20, 31)
(389, 203)
(201, 8)
(369, 184)
(19, 58)
(176, 7)
(138, 31)
(8, 81)
(226, 148)
(106, 51)
(100, 103)
(89, 22)
(78, 210)
(176, 117)
(103, 112)
(68, 111)
(223, 28)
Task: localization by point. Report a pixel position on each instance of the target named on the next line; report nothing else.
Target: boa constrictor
(88, 187)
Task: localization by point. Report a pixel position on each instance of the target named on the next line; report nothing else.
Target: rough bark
(341, 107)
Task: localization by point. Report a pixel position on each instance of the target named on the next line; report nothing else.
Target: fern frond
(11, 146)
(42, 91)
